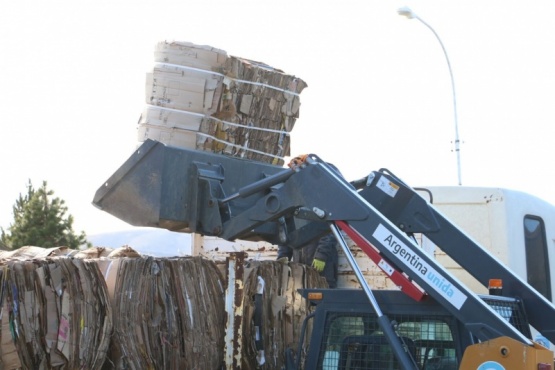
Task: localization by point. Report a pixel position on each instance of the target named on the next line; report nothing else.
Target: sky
(379, 92)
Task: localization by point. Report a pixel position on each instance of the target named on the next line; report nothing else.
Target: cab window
(537, 259)
(356, 342)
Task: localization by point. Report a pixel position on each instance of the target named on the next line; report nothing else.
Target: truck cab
(516, 227)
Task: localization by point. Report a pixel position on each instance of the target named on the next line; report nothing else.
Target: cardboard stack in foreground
(168, 313)
(56, 314)
(199, 97)
(274, 312)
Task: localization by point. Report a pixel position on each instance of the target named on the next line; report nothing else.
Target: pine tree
(40, 220)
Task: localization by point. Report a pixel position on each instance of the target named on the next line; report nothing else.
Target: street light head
(405, 11)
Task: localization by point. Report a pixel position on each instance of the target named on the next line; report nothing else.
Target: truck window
(356, 342)
(537, 259)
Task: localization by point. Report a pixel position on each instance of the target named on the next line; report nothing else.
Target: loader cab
(343, 332)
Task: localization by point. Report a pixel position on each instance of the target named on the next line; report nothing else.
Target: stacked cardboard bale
(32, 252)
(105, 252)
(274, 311)
(198, 97)
(55, 314)
(168, 314)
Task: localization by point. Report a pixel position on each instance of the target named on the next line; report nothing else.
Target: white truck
(516, 227)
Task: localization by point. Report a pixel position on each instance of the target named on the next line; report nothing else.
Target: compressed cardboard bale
(184, 53)
(182, 88)
(170, 119)
(58, 314)
(274, 311)
(109, 268)
(9, 357)
(263, 92)
(224, 104)
(93, 253)
(168, 314)
(173, 136)
(124, 251)
(188, 130)
(32, 252)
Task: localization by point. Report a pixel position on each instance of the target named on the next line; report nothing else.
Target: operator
(321, 254)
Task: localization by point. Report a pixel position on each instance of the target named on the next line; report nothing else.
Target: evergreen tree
(40, 220)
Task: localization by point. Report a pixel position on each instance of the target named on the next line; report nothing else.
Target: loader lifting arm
(190, 191)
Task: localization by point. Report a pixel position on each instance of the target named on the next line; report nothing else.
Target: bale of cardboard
(274, 311)
(168, 314)
(55, 314)
(199, 97)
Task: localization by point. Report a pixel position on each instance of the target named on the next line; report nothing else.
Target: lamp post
(407, 12)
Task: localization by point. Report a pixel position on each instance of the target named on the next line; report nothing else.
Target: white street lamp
(407, 12)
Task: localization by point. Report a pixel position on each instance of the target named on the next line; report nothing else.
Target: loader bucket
(175, 188)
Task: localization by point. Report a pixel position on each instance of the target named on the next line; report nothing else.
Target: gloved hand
(297, 161)
(318, 265)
